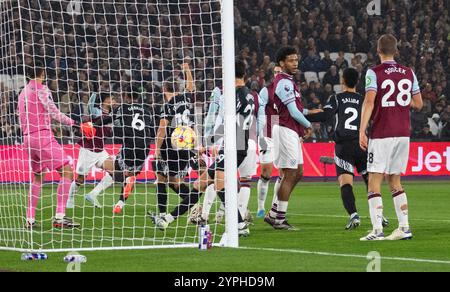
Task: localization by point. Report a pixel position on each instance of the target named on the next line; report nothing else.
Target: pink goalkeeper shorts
(44, 152)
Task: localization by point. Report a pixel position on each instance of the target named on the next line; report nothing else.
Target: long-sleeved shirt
(37, 110)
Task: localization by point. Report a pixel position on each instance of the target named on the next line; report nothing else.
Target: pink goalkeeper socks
(63, 195)
(33, 200)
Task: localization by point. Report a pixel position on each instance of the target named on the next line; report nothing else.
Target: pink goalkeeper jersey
(37, 109)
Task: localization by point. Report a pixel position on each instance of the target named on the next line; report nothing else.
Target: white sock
(73, 190)
(276, 188)
(376, 211)
(263, 187)
(120, 204)
(208, 201)
(169, 218)
(243, 198)
(60, 216)
(105, 183)
(401, 200)
(281, 213)
(221, 208)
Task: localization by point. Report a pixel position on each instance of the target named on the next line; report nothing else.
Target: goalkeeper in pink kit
(36, 112)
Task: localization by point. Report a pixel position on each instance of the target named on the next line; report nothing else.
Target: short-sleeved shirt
(394, 85)
(131, 126)
(347, 108)
(266, 97)
(179, 111)
(286, 92)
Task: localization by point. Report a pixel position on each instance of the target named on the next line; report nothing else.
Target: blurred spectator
(319, 132)
(445, 131)
(429, 94)
(332, 77)
(311, 62)
(425, 133)
(144, 42)
(433, 122)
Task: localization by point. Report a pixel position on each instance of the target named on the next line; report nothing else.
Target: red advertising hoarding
(426, 159)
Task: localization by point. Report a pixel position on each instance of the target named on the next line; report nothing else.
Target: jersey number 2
(353, 117)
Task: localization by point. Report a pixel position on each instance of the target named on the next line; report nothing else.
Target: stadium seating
(334, 56)
(321, 75)
(337, 88)
(311, 76)
(363, 57)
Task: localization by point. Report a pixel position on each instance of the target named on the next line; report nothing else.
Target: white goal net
(97, 56)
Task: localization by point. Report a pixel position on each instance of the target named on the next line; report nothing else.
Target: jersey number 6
(137, 123)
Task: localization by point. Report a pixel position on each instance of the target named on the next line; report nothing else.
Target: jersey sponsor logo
(368, 80)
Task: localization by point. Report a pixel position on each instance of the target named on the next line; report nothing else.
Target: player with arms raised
(36, 111)
(391, 91)
(172, 165)
(216, 173)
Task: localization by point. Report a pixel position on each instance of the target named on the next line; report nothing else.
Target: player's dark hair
(172, 84)
(387, 44)
(351, 77)
(284, 52)
(104, 96)
(36, 68)
(136, 95)
(240, 69)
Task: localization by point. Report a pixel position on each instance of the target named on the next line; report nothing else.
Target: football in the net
(183, 138)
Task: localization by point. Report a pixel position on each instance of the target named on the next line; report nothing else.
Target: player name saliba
(350, 100)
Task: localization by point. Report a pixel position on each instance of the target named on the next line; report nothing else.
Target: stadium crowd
(116, 46)
(333, 35)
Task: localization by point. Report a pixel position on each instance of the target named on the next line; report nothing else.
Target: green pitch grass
(321, 244)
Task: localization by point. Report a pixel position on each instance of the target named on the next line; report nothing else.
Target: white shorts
(267, 157)
(288, 152)
(88, 159)
(249, 166)
(388, 155)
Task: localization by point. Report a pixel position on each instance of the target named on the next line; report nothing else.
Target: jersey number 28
(403, 92)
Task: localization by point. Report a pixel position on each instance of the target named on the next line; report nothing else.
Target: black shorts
(219, 164)
(349, 155)
(173, 163)
(132, 160)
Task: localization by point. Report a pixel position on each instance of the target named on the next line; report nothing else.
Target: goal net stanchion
(116, 47)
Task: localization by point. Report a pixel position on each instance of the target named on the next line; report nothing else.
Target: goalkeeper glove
(86, 129)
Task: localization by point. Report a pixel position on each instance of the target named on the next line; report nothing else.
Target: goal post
(229, 92)
(90, 49)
